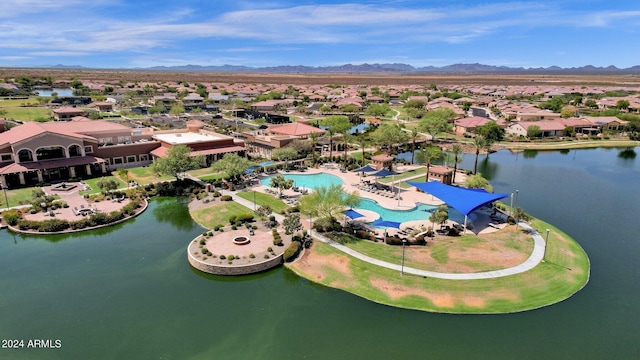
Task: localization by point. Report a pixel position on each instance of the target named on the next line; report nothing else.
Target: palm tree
(427, 154)
(330, 132)
(314, 138)
(414, 135)
(362, 141)
(455, 150)
(478, 144)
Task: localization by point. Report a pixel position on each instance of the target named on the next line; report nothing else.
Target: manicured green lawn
(144, 175)
(276, 205)
(218, 213)
(17, 102)
(404, 175)
(565, 272)
(17, 196)
(27, 113)
(93, 183)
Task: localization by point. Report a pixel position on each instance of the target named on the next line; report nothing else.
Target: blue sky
(143, 33)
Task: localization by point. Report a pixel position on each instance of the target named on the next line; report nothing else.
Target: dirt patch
(442, 299)
(316, 265)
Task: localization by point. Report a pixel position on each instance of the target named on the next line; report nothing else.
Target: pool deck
(409, 198)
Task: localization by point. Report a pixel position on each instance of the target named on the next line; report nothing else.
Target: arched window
(75, 151)
(50, 152)
(25, 155)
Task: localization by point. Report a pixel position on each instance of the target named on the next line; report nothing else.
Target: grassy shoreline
(565, 145)
(565, 272)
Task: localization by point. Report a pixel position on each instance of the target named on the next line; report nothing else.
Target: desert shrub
(231, 257)
(12, 216)
(225, 198)
(251, 256)
(234, 227)
(222, 257)
(292, 251)
(243, 218)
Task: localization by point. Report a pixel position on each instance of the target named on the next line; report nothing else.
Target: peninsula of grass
(569, 145)
(144, 175)
(218, 213)
(565, 272)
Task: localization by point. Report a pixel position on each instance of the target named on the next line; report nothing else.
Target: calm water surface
(129, 293)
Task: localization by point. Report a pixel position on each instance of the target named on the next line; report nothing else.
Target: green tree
(456, 149)
(568, 111)
(491, 131)
(177, 162)
(389, 134)
(233, 165)
(279, 182)
(377, 110)
(436, 121)
(415, 104)
(427, 154)
(176, 110)
(477, 181)
(314, 140)
(362, 140)
(286, 153)
(291, 223)
(337, 124)
(622, 104)
(478, 144)
(414, 135)
(325, 202)
(107, 185)
(534, 131)
(123, 174)
(440, 216)
(591, 103)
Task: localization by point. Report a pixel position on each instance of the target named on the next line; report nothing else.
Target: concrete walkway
(534, 259)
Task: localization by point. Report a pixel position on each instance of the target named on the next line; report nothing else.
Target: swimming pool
(420, 212)
(310, 181)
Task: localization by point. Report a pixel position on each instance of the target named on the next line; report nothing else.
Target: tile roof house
(549, 128)
(66, 113)
(262, 143)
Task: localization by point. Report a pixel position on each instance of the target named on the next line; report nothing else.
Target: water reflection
(529, 154)
(487, 168)
(174, 212)
(78, 234)
(627, 154)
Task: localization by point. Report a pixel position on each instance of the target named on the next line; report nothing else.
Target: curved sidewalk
(534, 259)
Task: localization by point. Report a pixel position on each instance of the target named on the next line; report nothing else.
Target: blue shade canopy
(464, 200)
(384, 172)
(385, 223)
(353, 214)
(251, 169)
(366, 168)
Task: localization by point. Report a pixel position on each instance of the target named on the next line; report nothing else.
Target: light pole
(310, 222)
(402, 267)
(516, 205)
(6, 199)
(546, 245)
(511, 206)
(254, 201)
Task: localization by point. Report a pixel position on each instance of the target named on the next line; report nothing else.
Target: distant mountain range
(389, 68)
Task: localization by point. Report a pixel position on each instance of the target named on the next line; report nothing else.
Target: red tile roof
(295, 128)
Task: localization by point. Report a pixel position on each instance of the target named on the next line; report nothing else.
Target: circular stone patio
(221, 243)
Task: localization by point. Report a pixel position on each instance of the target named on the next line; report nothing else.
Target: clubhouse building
(34, 153)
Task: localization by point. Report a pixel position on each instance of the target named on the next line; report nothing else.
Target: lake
(60, 92)
(128, 291)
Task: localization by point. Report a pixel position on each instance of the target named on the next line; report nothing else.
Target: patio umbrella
(386, 224)
(366, 168)
(384, 172)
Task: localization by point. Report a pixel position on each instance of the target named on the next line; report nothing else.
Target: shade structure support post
(465, 223)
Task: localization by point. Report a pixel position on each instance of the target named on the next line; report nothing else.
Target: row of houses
(555, 126)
